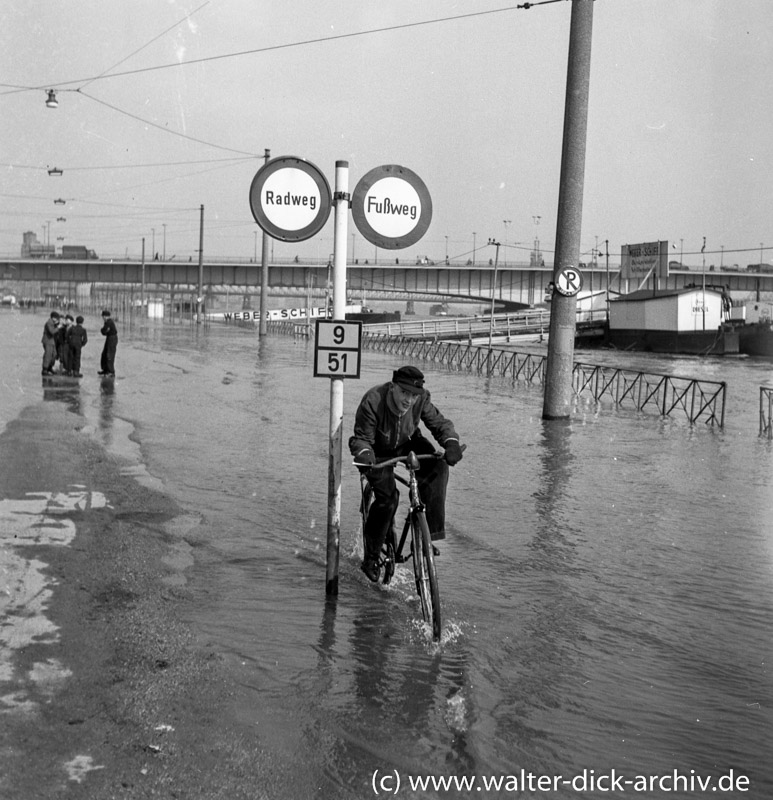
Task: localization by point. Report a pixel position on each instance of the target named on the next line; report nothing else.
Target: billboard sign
(641, 260)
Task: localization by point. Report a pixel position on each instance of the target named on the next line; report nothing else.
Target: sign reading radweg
(391, 207)
(290, 199)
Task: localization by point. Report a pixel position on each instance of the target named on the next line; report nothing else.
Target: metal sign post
(391, 206)
(341, 206)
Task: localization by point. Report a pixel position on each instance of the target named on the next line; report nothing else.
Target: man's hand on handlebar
(365, 458)
(453, 454)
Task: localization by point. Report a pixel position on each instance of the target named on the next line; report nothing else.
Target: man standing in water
(50, 330)
(110, 332)
(386, 425)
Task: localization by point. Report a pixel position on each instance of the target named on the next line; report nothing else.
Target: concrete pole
(493, 294)
(341, 206)
(560, 360)
(142, 281)
(263, 324)
(200, 293)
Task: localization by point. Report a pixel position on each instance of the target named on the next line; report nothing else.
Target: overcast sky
(165, 105)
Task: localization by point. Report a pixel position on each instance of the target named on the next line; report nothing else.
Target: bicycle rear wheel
(424, 570)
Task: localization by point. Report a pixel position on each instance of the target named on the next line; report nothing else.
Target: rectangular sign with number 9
(337, 349)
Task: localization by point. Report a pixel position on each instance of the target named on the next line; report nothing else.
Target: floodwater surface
(607, 582)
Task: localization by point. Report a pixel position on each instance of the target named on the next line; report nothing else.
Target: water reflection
(549, 631)
(384, 677)
(63, 390)
(106, 414)
(553, 515)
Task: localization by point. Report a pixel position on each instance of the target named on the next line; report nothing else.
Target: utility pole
(493, 292)
(142, 280)
(563, 315)
(263, 324)
(606, 245)
(200, 292)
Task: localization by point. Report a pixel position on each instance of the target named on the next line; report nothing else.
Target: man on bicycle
(386, 425)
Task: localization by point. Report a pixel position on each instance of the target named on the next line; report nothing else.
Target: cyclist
(386, 425)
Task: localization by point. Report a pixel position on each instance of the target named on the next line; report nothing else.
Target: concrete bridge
(515, 285)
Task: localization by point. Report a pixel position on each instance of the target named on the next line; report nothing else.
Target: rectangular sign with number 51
(337, 349)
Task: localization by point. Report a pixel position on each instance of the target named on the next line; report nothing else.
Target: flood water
(607, 583)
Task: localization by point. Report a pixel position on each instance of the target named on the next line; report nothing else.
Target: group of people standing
(64, 338)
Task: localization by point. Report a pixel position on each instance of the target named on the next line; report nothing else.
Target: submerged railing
(766, 412)
(699, 400)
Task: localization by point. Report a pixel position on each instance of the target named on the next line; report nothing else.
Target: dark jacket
(49, 331)
(77, 337)
(109, 329)
(379, 428)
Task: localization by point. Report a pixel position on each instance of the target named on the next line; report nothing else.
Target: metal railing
(665, 394)
(517, 322)
(766, 412)
(700, 400)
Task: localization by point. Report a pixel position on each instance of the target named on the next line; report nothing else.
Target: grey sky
(679, 143)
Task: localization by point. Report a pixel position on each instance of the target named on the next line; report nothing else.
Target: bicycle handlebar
(391, 462)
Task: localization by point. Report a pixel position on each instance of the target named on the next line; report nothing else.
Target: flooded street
(607, 583)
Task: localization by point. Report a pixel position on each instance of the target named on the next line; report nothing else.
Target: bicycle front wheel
(424, 570)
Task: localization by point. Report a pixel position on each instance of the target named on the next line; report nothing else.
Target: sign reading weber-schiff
(391, 207)
(639, 260)
(290, 199)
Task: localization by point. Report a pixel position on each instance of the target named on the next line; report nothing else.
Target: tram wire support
(558, 383)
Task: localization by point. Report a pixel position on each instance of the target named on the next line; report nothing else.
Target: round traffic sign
(290, 199)
(569, 281)
(391, 207)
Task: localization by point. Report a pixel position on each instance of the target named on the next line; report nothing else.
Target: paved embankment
(104, 691)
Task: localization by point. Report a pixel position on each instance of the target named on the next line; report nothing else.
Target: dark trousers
(432, 479)
(65, 357)
(49, 354)
(75, 359)
(108, 354)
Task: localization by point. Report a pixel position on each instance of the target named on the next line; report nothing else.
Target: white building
(688, 320)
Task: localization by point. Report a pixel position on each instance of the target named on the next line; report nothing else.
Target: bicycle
(421, 551)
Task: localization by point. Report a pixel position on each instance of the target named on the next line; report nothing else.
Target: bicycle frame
(415, 504)
(411, 463)
(421, 545)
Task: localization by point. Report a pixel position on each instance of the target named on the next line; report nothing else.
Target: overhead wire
(147, 44)
(289, 45)
(108, 73)
(163, 128)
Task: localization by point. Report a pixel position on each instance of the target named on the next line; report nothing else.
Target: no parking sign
(569, 281)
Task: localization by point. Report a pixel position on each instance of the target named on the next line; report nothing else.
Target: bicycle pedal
(402, 559)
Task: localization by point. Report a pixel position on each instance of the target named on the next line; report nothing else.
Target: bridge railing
(529, 321)
(766, 412)
(698, 400)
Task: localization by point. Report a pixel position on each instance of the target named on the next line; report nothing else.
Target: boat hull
(718, 342)
(756, 339)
